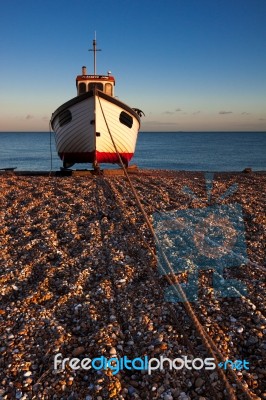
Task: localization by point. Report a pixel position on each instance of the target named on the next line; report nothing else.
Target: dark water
(192, 151)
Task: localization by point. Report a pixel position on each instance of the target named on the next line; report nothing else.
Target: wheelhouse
(86, 83)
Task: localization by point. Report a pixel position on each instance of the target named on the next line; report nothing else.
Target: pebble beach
(79, 277)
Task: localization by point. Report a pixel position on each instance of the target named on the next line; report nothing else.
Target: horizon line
(161, 131)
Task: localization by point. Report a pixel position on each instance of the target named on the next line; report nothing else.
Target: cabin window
(109, 89)
(65, 117)
(98, 86)
(126, 119)
(82, 88)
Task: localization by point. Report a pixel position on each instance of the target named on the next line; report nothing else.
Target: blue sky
(190, 65)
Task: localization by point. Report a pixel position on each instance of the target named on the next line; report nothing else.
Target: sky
(190, 65)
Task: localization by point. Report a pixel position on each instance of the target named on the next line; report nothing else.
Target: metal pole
(94, 52)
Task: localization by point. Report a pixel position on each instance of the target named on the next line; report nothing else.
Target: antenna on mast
(94, 51)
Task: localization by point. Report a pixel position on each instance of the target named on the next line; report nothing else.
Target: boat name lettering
(94, 76)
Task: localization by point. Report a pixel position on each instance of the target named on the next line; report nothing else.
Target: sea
(189, 151)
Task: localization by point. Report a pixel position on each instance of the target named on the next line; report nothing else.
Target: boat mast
(94, 52)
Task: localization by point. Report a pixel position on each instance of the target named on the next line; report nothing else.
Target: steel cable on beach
(50, 148)
(206, 339)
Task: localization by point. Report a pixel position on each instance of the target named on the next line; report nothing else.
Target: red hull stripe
(89, 157)
(112, 158)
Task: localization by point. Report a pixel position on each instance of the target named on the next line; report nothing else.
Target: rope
(206, 339)
(51, 152)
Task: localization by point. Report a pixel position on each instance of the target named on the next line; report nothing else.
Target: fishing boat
(95, 126)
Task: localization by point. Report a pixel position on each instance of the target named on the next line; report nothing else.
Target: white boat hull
(85, 126)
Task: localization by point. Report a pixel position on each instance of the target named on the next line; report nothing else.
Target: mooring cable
(207, 340)
(51, 152)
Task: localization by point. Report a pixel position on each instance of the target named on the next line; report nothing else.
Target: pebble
(213, 376)
(252, 340)
(199, 382)
(78, 351)
(112, 351)
(27, 374)
(131, 390)
(11, 336)
(19, 394)
(167, 397)
(183, 396)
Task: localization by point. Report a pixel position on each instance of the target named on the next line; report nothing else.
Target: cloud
(196, 112)
(159, 123)
(225, 112)
(172, 112)
(29, 116)
(245, 113)
(262, 119)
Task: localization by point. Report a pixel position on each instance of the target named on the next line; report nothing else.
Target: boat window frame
(126, 119)
(108, 89)
(84, 87)
(97, 85)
